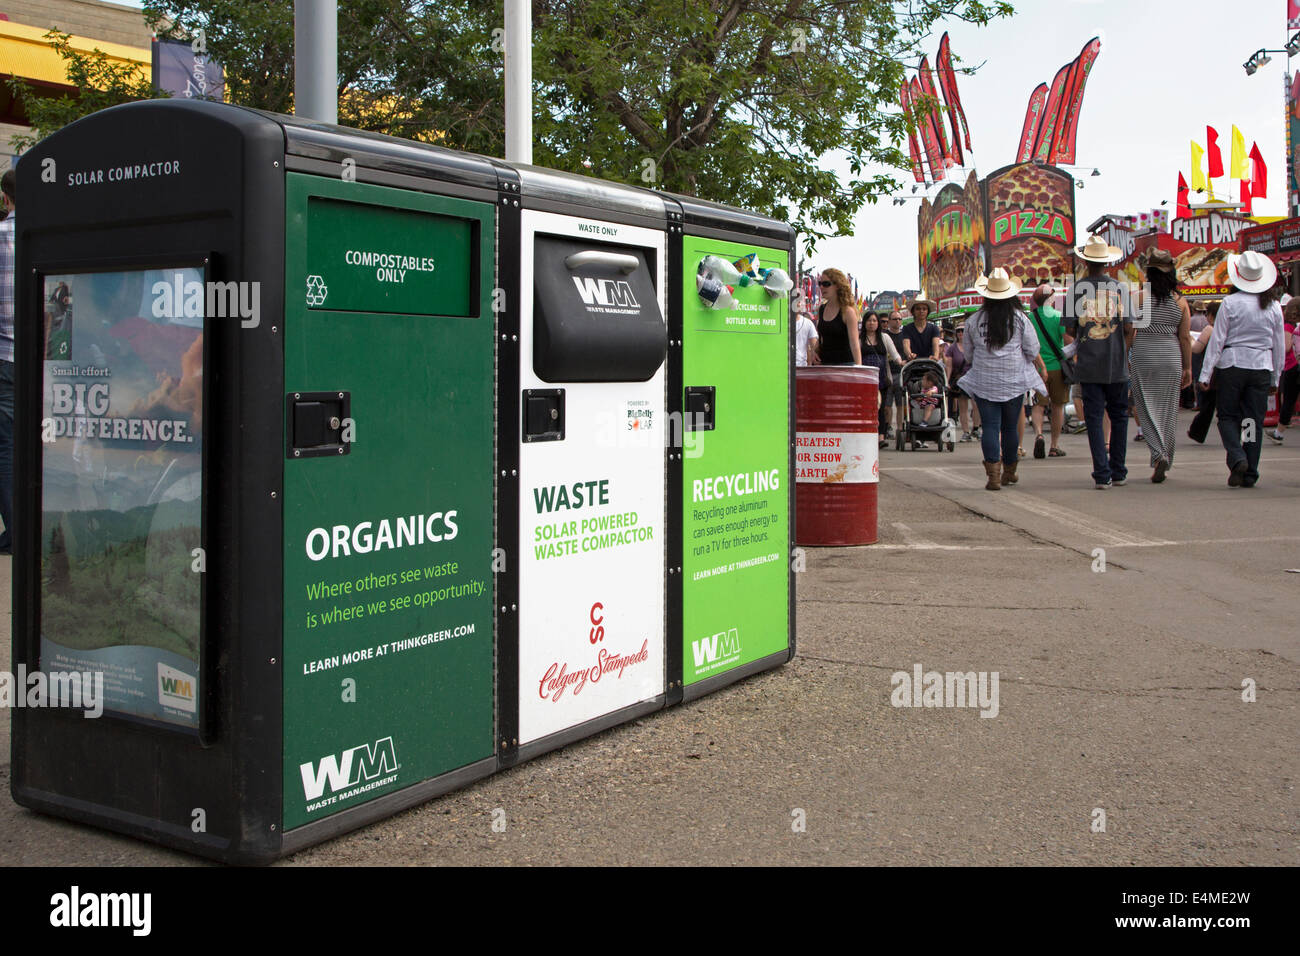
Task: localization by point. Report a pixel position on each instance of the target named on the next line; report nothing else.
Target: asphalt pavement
(1119, 702)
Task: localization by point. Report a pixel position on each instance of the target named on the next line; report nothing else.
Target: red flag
(948, 80)
(1184, 210)
(1212, 151)
(1033, 120)
(1047, 128)
(1258, 173)
(950, 156)
(1245, 197)
(914, 151)
(925, 123)
(1063, 148)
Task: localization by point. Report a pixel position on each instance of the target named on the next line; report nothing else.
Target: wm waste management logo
(606, 294)
(175, 688)
(716, 650)
(344, 773)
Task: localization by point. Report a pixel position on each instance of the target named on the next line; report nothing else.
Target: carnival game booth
(321, 434)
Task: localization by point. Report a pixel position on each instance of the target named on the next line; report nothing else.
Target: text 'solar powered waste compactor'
(347, 473)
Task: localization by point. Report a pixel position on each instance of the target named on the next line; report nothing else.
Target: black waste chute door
(596, 314)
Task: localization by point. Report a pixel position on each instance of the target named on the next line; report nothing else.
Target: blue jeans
(1000, 421)
(1243, 396)
(7, 452)
(1110, 399)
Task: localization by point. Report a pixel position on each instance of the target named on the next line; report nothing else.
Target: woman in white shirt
(1245, 358)
(1004, 365)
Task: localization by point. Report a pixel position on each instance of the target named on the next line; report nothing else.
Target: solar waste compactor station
(359, 469)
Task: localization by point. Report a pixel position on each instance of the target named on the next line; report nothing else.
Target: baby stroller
(925, 414)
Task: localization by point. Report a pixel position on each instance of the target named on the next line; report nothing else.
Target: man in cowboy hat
(922, 339)
(1101, 324)
(1245, 356)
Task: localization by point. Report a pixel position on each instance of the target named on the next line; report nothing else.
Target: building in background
(118, 31)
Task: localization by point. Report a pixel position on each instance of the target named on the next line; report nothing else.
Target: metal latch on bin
(316, 424)
(543, 414)
(701, 408)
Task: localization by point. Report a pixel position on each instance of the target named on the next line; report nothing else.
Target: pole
(519, 81)
(316, 60)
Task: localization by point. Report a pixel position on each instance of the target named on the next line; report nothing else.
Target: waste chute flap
(596, 312)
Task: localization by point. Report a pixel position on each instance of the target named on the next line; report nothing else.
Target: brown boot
(994, 470)
(1009, 473)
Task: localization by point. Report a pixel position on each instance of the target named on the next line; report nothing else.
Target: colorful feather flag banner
(1238, 162)
(1063, 150)
(1258, 173)
(1245, 197)
(936, 114)
(1047, 129)
(914, 151)
(1033, 120)
(925, 123)
(1184, 210)
(1198, 175)
(1213, 152)
(948, 80)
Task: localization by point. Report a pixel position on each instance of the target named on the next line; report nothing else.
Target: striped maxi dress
(1156, 364)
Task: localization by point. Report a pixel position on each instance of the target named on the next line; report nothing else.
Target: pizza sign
(1030, 221)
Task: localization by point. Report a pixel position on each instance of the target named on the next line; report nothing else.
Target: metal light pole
(519, 81)
(316, 60)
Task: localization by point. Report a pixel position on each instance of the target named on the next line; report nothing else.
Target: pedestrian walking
(922, 339)
(837, 321)
(895, 399)
(1245, 358)
(1004, 365)
(1102, 327)
(1052, 340)
(1206, 398)
(1161, 359)
(1289, 389)
(957, 363)
(877, 352)
(805, 340)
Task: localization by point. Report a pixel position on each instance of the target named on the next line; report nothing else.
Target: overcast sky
(1166, 70)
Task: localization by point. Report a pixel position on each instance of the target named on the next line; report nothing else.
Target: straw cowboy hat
(1252, 272)
(998, 285)
(930, 304)
(1096, 250)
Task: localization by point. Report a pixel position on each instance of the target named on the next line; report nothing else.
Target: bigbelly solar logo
(343, 774)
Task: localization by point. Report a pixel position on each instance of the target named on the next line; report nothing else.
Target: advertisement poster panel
(735, 487)
(950, 239)
(122, 487)
(1030, 222)
(388, 643)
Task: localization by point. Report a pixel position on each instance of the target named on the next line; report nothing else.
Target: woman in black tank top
(837, 321)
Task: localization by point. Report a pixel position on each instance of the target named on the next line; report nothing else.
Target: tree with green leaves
(101, 82)
(748, 102)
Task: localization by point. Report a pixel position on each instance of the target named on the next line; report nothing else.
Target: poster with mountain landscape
(122, 488)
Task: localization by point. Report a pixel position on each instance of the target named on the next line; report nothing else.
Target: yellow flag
(1198, 176)
(1239, 168)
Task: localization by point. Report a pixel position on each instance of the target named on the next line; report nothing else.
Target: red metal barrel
(837, 456)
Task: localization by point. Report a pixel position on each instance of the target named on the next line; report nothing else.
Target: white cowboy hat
(1097, 250)
(1252, 271)
(998, 285)
(922, 300)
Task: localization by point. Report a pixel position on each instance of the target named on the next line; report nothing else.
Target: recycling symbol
(316, 290)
